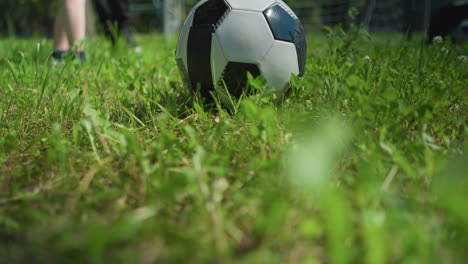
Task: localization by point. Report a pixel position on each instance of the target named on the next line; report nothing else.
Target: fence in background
(29, 17)
(374, 15)
(397, 15)
(315, 14)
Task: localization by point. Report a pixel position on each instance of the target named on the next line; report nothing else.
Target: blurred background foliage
(25, 17)
(35, 17)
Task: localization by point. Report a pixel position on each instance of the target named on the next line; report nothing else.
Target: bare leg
(60, 31)
(75, 11)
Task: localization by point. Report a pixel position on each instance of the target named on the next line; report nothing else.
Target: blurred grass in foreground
(112, 161)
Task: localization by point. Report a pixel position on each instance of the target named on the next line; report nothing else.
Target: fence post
(172, 15)
(427, 15)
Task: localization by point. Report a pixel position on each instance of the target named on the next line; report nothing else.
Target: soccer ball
(222, 40)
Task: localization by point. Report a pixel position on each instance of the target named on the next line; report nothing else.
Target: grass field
(113, 162)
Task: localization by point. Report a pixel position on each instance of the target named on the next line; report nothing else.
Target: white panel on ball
(281, 56)
(252, 5)
(181, 51)
(218, 61)
(245, 36)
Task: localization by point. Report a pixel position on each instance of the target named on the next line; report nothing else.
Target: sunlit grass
(113, 162)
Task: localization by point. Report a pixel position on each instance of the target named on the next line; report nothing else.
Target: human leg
(105, 16)
(61, 44)
(122, 15)
(114, 17)
(75, 11)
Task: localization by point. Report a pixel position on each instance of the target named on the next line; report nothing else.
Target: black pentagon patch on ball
(235, 77)
(287, 27)
(211, 12)
(207, 18)
(282, 24)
